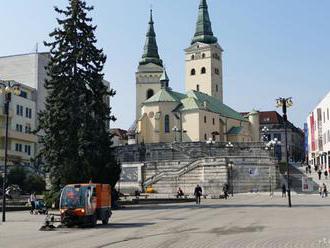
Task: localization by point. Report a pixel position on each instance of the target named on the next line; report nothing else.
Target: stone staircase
(248, 175)
(297, 172)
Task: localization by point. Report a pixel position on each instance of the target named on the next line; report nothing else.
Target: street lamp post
(231, 164)
(210, 141)
(264, 131)
(175, 130)
(229, 145)
(271, 145)
(286, 103)
(6, 90)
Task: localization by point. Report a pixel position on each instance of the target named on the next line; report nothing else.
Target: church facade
(199, 114)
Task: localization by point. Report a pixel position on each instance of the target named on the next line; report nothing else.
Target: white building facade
(22, 118)
(318, 125)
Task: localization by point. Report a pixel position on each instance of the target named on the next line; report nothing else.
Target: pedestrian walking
(179, 193)
(320, 174)
(283, 190)
(198, 193)
(326, 174)
(225, 190)
(325, 190)
(32, 200)
(320, 190)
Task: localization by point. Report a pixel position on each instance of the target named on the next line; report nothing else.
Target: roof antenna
(36, 47)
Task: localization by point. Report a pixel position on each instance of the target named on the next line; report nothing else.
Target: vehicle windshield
(73, 197)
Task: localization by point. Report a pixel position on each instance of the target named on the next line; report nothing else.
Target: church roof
(214, 105)
(195, 100)
(235, 130)
(165, 95)
(150, 53)
(203, 32)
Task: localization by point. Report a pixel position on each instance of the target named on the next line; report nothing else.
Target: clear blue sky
(271, 48)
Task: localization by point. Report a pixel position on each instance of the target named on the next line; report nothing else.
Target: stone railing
(187, 150)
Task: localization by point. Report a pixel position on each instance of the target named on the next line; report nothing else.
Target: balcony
(13, 134)
(14, 156)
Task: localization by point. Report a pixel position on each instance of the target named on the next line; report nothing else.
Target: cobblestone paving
(249, 220)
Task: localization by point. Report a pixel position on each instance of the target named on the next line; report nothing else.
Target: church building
(199, 114)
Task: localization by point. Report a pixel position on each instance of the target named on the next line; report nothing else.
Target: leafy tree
(76, 141)
(34, 183)
(17, 176)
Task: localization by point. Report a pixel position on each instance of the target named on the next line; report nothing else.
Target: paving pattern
(247, 220)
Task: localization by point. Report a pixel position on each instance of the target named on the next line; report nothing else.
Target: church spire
(150, 53)
(203, 32)
(164, 80)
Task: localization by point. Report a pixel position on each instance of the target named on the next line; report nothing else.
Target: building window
(150, 93)
(27, 149)
(23, 94)
(19, 128)
(216, 71)
(205, 136)
(204, 119)
(192, 57)
(213, 121)
(193, 72)
(19, 110)
(203, 70)
(328, 114)
(216, 88)
(167, 123)
(18, 147)
(27, 128)
(203, 55)
(197, 87)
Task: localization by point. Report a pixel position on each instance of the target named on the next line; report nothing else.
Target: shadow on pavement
(215, 206)
(124, 225)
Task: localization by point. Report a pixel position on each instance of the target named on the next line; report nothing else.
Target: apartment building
(22, 119)
(318, 136)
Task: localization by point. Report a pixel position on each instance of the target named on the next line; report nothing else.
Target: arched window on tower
(203, 55)
(197, 87)
(167, 124)
(150, 93)
(193, 72)
(192, 57)
(203, 70)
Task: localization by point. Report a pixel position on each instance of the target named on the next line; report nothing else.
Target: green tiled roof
(190, 103)
(166, 95)
(150, 51)
(214, 105)
(195, 100)
(203, 32)
(235, 130)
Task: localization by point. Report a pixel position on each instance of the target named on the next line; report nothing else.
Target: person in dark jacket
(320, 173)
(225, 190)
(198, 194)
(283, 190)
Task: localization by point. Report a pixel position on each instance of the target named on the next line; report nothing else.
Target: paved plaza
(247, 220)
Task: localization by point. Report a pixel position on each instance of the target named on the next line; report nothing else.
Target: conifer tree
(76, 141)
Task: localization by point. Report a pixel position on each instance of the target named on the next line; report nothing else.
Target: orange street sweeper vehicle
(82, 204)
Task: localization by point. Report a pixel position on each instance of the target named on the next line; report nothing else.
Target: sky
(271, 48)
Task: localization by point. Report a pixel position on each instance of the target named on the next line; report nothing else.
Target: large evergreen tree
(76, 141)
